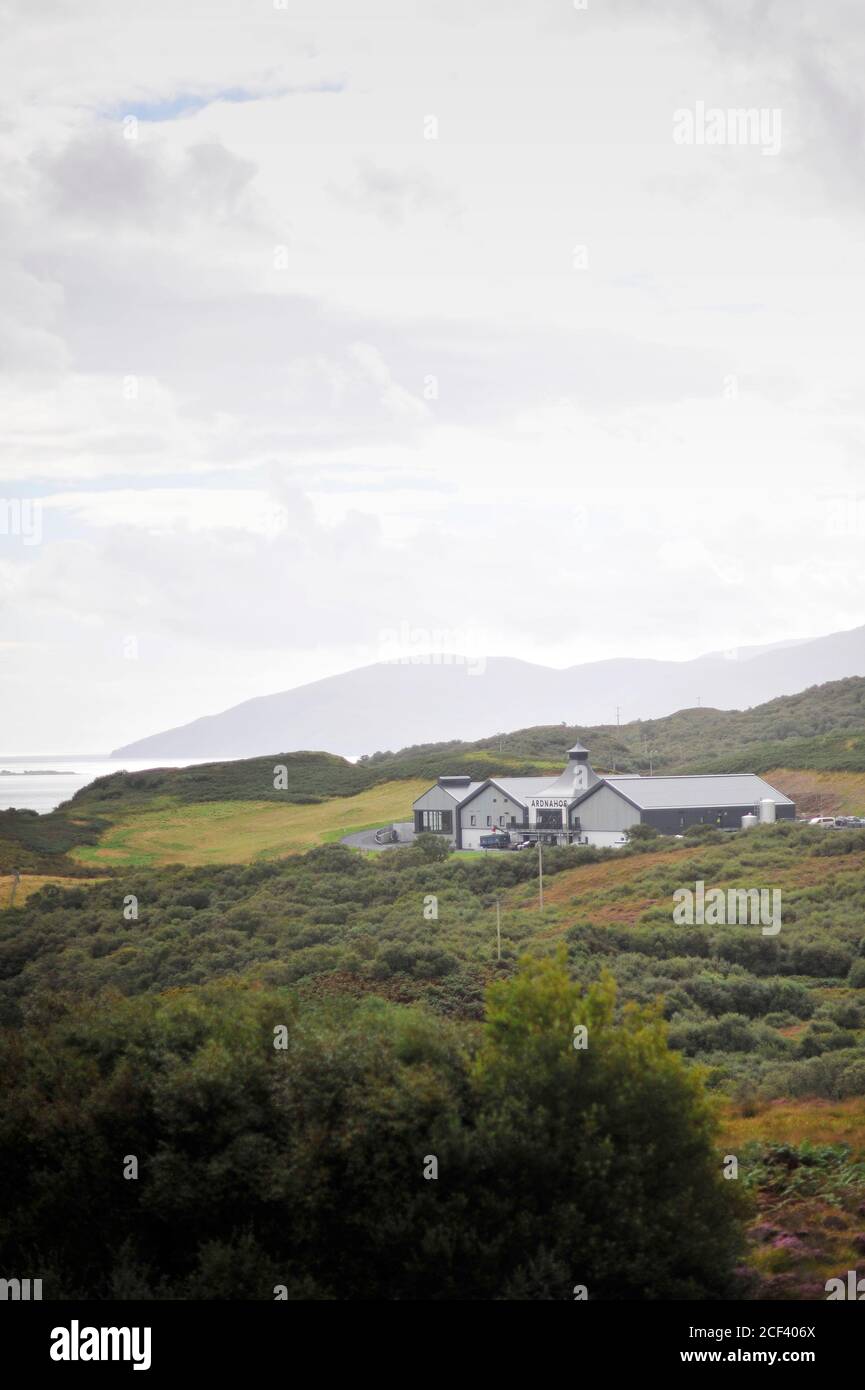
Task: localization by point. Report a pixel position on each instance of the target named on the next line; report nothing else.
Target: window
(489, 820)
(472, 820)
(501, 820)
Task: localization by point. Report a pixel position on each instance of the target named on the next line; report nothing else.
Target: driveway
(365, 839)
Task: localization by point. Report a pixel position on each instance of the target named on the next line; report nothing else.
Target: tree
(642, 831)
(433, 848)
(613, 1175)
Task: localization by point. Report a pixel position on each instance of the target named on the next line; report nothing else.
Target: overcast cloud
(323, 319)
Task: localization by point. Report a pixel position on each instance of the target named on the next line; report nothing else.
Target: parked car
(822, 820)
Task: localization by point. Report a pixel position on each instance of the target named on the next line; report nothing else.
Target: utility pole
(618, 712)
(540, 874)
(499, 927)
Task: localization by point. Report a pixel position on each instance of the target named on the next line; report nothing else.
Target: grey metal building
(580, 807)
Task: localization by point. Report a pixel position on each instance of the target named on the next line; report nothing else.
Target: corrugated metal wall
(606, 810)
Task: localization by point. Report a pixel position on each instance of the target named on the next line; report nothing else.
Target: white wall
(605, 839)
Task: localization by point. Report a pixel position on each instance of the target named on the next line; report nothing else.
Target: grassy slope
(821, 793)
(239, 832)
(31, 883)
(624, 890)
(792, 1122)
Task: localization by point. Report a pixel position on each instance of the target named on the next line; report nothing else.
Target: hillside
(395, 704)
(239, 832)
(821, 727)
(776, 1023)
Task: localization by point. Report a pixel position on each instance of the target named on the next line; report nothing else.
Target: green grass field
(238, 832)
(164, 830)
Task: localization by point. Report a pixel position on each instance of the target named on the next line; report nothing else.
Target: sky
(331, 330)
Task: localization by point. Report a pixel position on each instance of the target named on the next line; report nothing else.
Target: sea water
(41, 784)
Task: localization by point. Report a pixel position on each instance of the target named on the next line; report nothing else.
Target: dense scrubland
(303, 1167)
(286, 1043)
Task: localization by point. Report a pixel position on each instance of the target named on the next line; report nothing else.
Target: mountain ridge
(388, 705)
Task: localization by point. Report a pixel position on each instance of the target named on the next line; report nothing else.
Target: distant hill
(388, 706)
(821, 728)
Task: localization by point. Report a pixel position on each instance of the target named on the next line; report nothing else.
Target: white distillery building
(580, 807)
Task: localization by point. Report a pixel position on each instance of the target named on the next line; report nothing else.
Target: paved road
(365, 839)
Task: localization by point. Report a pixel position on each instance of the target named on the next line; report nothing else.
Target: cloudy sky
(325, 320)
